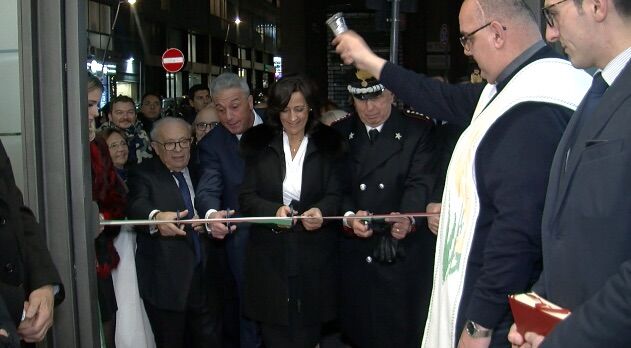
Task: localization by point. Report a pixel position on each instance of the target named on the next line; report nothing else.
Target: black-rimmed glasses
(549, 16)
(171, 145)
(201, 126)
(466, 39)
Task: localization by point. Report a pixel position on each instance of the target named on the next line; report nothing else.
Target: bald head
(503, 10)
(495, 32)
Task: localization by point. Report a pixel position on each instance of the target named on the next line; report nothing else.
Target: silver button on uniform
(362, 187)
(368, 259)
(381, 186)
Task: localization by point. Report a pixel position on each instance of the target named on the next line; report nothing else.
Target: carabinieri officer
(386, 266)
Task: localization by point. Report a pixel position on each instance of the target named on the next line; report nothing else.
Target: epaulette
(348, 114)
(415, 114)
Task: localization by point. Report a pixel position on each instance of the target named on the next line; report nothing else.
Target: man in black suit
(29, 282)
(176, 273)
(221, 174)
(586, 225)
(384, 295)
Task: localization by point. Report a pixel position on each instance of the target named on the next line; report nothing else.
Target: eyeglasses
(114, 146)
(465, 40)
(171, 145)
(201, 126)
(151, 103)
(549, 15)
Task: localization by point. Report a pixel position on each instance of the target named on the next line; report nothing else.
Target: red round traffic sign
(173, 60)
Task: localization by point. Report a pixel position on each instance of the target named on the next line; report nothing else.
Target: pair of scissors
(368, 222)
(227, 217)
(292, 214)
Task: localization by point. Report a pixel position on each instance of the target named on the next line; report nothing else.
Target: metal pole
(394, 32)
(109, 36)
(227, 56)
(55, 42)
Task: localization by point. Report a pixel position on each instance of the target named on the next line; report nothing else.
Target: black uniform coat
(25, 263)
(275, 255)
(385, 305)
(166, 264)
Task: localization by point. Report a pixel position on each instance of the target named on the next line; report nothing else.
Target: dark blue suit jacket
(587, 227)
(220, 171)
(512, 168)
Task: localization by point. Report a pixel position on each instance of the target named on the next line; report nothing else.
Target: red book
(533, 313)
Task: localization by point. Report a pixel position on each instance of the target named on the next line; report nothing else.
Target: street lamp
(226, 48)
(109, 36)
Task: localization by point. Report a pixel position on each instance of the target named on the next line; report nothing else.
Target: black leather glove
(388, 249)
(398, 247)
(379, 253)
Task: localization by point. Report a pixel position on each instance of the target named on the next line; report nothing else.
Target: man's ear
(598, 9)
(251, 101)
(499, 33)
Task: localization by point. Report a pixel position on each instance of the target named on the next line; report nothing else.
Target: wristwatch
(476, 331)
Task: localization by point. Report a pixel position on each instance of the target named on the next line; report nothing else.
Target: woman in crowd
(118, 149)
(292, 169)
(108, 190)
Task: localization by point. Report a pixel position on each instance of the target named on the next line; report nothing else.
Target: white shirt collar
(257, 120)
(369, 128)
(614, 68)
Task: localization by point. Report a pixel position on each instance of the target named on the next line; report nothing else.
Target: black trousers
(275, 336)
(191, 328)
(195, 327)
(296, 334)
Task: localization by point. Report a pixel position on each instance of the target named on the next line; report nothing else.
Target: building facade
(214, 36)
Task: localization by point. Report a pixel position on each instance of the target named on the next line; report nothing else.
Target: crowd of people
(524, 175)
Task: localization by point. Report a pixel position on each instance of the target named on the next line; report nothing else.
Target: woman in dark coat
(292, 169)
